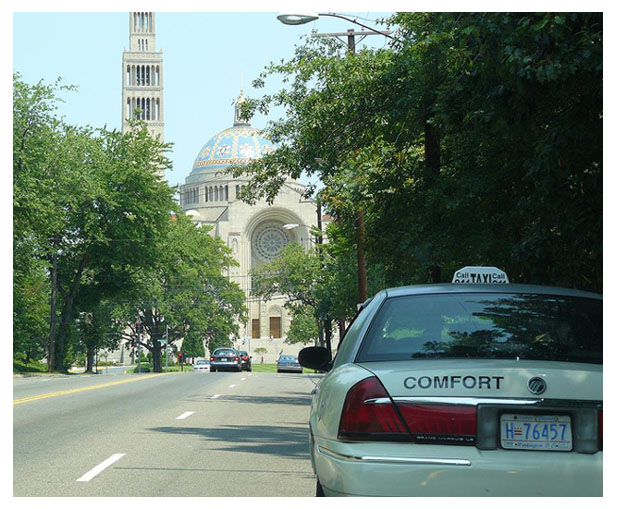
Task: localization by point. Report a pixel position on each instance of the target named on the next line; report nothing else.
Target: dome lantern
(239, 120)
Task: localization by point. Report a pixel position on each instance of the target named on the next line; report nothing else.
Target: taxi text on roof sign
(480, 275)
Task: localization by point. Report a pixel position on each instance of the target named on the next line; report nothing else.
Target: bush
(145, 368)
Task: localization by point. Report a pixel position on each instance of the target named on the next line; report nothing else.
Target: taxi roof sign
(480, 275)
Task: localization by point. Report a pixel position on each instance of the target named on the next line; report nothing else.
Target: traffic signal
(180, 356)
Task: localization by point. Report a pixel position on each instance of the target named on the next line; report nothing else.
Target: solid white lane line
(99, 468)
(215, 396)
(232, 386)
(185, 415)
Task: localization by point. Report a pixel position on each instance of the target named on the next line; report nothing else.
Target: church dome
(234, 146)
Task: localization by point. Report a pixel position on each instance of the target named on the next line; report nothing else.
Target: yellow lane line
(81, 389)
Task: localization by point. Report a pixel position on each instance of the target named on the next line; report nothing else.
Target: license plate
(536, 432)
(223, 359)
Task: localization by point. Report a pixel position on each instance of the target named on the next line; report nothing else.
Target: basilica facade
(255, 234)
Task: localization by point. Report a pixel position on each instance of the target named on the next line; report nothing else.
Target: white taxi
(462, 390)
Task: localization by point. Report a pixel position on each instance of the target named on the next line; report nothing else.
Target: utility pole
(359, 214)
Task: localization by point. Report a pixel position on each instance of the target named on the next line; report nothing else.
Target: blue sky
(207, 57)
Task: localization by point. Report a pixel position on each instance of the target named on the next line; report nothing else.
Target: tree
(89, 203)
(184, 294)
(303, 327)
(193, 346)
(475, 138)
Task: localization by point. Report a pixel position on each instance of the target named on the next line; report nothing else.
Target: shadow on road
(275, 440)
(294, 398)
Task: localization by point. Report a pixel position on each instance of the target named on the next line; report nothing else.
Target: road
(177, 434)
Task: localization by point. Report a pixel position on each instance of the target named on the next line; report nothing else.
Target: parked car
(463, 390)
(225, 359)
(288, 363)
(246, 360)
(202, 365)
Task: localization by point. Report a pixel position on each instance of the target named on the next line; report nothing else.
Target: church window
(216, 193)
(148, 75)
(226, 193)
(237, 191)
(206, 194)
(255, 328)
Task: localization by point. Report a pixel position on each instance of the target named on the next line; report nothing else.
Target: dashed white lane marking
(99, 468)
(243, 378)
(215, 396)
(250, 374)
(185, 415)
(232, 386)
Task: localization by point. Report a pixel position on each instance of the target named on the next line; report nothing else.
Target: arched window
(216, 193)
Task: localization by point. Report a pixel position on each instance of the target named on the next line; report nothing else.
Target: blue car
(288, 363)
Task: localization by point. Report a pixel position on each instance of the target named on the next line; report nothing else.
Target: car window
(223, 351)
(524, 326)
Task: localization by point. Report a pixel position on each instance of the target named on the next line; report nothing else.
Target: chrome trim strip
(392, 459)
(463, 400)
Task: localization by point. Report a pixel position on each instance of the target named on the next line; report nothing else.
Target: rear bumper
(408, 470)
(234, 366)
(294, 369)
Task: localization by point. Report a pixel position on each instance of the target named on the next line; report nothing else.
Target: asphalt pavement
(163, 435)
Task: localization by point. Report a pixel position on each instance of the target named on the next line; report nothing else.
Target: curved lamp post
(308, 17)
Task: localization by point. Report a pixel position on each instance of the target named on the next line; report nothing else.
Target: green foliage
(193, 346)
(473, 139)
(303, 328)
(261, 350)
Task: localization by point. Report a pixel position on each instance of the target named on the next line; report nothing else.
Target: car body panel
(393, 469)
(488, 378)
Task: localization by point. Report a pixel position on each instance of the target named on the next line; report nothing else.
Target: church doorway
(275, 327)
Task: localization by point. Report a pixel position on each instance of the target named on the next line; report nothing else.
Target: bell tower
(142, 75)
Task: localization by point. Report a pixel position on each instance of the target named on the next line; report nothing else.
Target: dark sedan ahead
(225, 359)
(288, 363)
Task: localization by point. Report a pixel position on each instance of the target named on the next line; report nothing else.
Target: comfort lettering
(454, 382)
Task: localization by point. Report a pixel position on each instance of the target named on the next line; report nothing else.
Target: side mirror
(315, 357)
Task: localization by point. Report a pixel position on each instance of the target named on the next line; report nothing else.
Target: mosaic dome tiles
(233, 146)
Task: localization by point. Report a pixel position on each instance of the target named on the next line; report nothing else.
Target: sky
(207, 58)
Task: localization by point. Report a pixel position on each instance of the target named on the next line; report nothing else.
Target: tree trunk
(67, 313)
(51, 351)
(328, 334)
(157, 366)
(341, 330)
(90, 359)
(362, 283)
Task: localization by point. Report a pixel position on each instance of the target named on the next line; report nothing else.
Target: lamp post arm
(334, 15)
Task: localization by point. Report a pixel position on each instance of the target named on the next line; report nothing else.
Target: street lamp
(307, 17)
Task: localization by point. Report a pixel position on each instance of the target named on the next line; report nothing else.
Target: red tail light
(440, 423)
(211, 358)
(364, 418)
(236, 358)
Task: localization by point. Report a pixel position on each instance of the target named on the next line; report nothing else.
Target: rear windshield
(287, 358)
(224, 352)
(486, 326)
